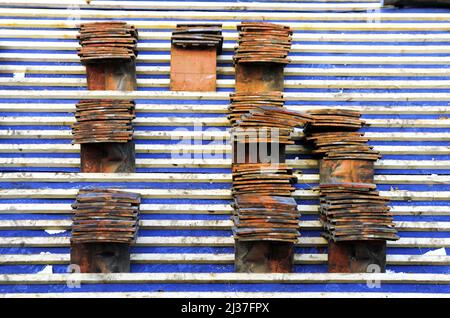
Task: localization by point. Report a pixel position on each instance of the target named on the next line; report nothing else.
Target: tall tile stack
(264, 208)
(109, 51)
(265, 233)
(355, 218)
(105, 222)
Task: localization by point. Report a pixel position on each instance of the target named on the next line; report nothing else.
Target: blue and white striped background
(409, 124)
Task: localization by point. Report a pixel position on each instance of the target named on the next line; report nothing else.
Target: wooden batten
(261, 256)
(419, 3)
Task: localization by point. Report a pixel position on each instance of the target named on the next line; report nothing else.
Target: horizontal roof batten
(224, 96)
(191, 5)
(394, 194)
(210, 121)
(228, 278)
(222, 108)
(212, 135)
(290, 71)
(216, 163)
(193, 177)
(207, 150)
(204, 225)
(232, 36)
(229, 47)
(404, 242)
(191, 258)
(295, 60)
(225, 294)
(207, 209)
(228, 83)
(296, 26)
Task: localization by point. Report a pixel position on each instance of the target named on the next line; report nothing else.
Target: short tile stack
(342, 119)
(198, 35)
(262, 179)
(103, 215)
(349, 211)
(106, 41)
(268, 124)
(265, 218)
(355, 211)
(334, 135)
(242, 103)
(261, 42)
(103, 121)
(264, 208)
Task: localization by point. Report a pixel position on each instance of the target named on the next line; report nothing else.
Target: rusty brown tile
(103, 121)
(357, 214)
(333, 134)
(103, 215)
(197, 35)
(262, 43)
(107, 41)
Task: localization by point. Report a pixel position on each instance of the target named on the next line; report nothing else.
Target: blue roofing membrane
(441, 154)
